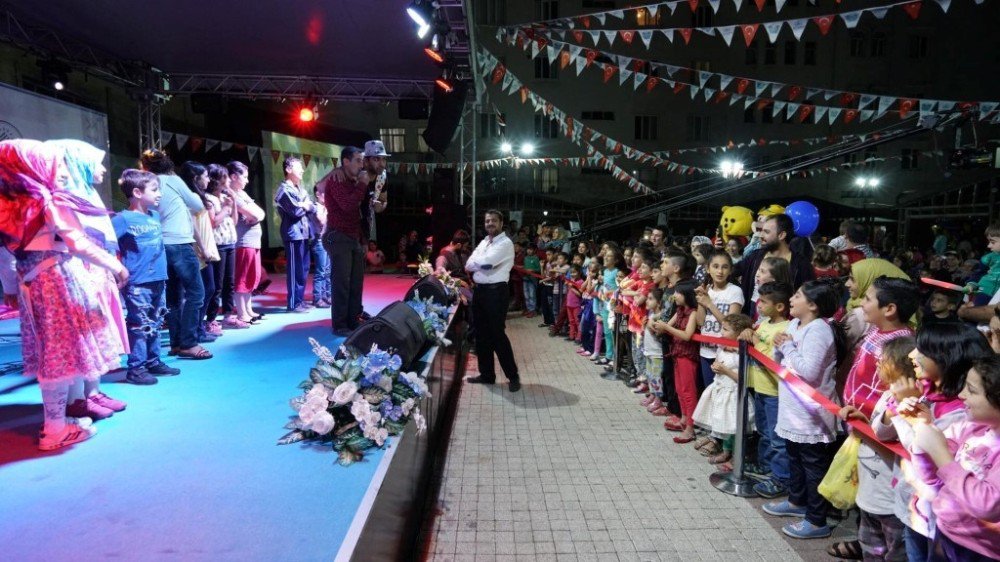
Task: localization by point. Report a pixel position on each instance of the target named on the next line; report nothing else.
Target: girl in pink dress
(65, 336)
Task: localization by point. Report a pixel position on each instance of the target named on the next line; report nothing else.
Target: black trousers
(808, 463)
(347, 278)
(489, 317)
(545, 303)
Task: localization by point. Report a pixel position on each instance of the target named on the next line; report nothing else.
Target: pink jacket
(966, 507)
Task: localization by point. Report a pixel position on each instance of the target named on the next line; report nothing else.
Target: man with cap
(376, 200)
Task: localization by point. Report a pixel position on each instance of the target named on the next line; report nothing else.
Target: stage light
(444, 85)
(434, 55)
(506, 148)
(54, 73)
(422, 14)
(58, 85)
(545, 213)
(308, 114)
(527, 149)
(866, 182)
(731, 168)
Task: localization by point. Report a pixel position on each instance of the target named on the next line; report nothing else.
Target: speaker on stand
(446, 114)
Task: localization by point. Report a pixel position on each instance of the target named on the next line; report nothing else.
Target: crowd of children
(860, 334)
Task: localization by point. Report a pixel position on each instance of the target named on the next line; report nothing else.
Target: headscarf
(28, 181)
(82, 160)
(866, 271)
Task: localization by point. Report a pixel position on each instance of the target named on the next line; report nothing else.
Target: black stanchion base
(730, 484)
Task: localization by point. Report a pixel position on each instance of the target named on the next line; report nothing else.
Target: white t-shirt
(875, 489)
(651, 345)
(723, 300)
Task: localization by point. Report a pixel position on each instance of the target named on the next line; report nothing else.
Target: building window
(748, 115)
(644, 18)
(645, 127)
(702, 66)
(810, 53)
(394, 139)
(491, 125)
(751, 54)
(909, 161)
(790, 52)
(421, 143)
(546, 128)
(702, 17)
(857, 44)
(767, 114)
(918, 47)
(546, 180)
(545, 69)
(770, 53)
(492, 12)
(878, 44)
(547, 9)
(597, 115)
(697, 128)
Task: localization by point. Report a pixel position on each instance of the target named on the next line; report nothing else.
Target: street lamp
(527, 149)
(868, 182)
(506, 148)
(731, 169)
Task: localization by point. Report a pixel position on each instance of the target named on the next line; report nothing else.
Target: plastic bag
(840, 485)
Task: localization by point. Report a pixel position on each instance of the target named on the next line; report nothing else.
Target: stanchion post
(736, 483)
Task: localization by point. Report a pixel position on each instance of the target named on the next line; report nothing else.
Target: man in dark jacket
(776, 234)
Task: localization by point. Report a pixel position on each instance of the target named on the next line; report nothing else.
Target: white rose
(377, 434)
(322, 423)
(407, 405)
(385, 383)
(344, 393)
(418, 419)
(308, 411)
(359, 408)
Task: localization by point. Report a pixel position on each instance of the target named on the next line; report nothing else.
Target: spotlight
(527, 149)
(444, 84)
(731, 168)
(422, 14)
(545, 213)
(308, 114)
(506, 148)
(58, 85)
(434, 55)
(866, 182)
(54, 73)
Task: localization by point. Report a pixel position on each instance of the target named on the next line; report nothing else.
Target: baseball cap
(375, 148)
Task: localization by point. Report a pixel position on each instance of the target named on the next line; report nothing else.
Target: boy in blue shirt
(140, 241)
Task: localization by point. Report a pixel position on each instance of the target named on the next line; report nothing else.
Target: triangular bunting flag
(779, 106)
(600, 17)
(741, 85)
(851, 19)
(849, 115)
(275, 155)
(833, 114)
(252, 152)
(197, 143)
(610, 36)
(819, 111)
(694, 91)
(804, 112)
(823, 23)
(226, 146)
(866, 100)
(710, 31)
(798, 26)
(693, 4)
(944, 105)
(627, 36)
(590, 55)
(703, 77)
(912, 9)
(651, 83)
(668, 34)
(686, 34)
(181, 140)
(708, 92)
(760, 4)
(987, 107)
(609, 71)
(167, 137)
(580, 63)
(738, 4)
(210, 144)
(724, 80)
(715, 5)
(564, 58)
(866, 114)
(652, 9)
(879, 13)
(761, 88)
(735, 98)
(508, 79)
(672, 6)
(552, 53)
(906, 106)
(749, 30)
(623, 75)
(775, 88)
(778, 5)
(884, 102)
(595, 37)
(945, 4)
(773, 30)
(726, 32)
(647, 36)
(617, 14)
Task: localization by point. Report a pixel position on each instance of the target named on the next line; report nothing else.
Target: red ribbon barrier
(792, 379)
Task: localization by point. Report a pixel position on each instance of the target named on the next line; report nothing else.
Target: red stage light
(307, 115)
(436, 56)
(444, 85)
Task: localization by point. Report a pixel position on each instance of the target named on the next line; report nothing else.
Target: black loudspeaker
(443, 186)
(429, 287)
(397, 328)
(446, 113)
(446, 218)
(413, 109)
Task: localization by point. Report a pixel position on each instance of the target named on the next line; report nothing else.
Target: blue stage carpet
(190, 471)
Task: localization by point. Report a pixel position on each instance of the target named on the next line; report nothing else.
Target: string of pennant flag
(650, 11)
(853, 105)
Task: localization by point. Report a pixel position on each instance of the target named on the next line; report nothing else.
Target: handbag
(204, 238)
(840, 485)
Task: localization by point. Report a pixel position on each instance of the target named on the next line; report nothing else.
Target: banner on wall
(318, 159)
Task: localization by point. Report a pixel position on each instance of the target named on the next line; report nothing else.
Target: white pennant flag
(866, 99)
(226, 146)
(866, 114)
(761, 87)
(694, 91)
(669, 34)
(735, 98)
(851, 18)
(778, 5)
(575, 50)
(672, 6)
(638, 80)
(652, 9)
(595, 37)
(252, 152)
(710, 31)
(812, 92)
(879, 13)
(791, 109)
(834, 114)
(798, 26)
(884, 103)
(610, 35)
(534, 49)
(210, 144)
(778, 107)
(818, 112)
(724, 80)
(945, 4)
(709, 92)
(182, 140)
(647, 36)
(775, 88)
(508, 79)
(944, 105)
(927, 107)
(580, 63)
(167, 137)
(773, 29)
(623, 75)
(600, 17)
(738, 4)
(619, 14)
(828, 94)
(715, 5)
(986, 107)
(726, 32)
(748, 102)
(703, 77)
(552, 53)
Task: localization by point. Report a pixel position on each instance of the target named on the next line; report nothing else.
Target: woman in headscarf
(863, 273)
(64, 335)
(85, 168)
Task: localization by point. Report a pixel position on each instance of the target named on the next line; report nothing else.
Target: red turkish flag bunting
(627, 36)
(749, 30)
(578, 36)
(693, 4)
(609, 71)
(686, 34)
(967, 106)
(823, 23)
(741, 85)
(760, 4)
(585, 20)
(498, 73)
(196, 143)
(804, 112)
(590, 55)
(637, 65)
(524, 94)
(542, 42)
(679, 87)
(794, 92)
(719, 96)
(650, 83)
(563, 59)
(912, 9)
(305, 160)
(275, 154)
(529, 33)
(848, 98)
(906, 106)
(761, 142)
(849, 115)
(763, 103)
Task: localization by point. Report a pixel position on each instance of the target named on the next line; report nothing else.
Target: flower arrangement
(355, 404)
(451, 284)
(434, 317)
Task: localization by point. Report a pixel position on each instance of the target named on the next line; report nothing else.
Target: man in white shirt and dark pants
(490, 266)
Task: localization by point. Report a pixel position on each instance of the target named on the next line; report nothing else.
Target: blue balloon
(805, 217)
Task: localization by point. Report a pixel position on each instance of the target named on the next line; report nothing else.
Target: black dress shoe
(342, 332)
(480, 380)
(609, 376)
(514, 386)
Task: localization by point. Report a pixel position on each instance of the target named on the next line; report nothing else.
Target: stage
(190, 470)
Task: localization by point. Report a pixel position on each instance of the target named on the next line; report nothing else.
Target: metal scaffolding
(276, 87)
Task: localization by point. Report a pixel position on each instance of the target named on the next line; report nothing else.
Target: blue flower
(371, 378)
(418, 307)
(395, 363)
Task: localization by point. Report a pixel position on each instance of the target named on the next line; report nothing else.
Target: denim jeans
(321, 278)
(530, 293)
(770, 448)
(807, 465)
(145, 309)
(297, 253)
(917, 547)
(185, 295)
(588, 322)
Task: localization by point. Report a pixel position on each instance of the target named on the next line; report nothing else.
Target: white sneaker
(76, 430)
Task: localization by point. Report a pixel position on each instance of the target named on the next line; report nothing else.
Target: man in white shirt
(490, 266)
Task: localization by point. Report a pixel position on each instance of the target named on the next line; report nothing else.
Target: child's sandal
(711, 449)
(701, 442)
